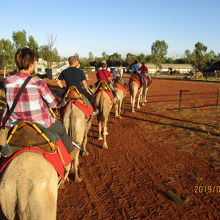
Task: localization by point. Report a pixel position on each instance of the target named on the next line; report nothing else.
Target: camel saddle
(135, 77)
(26, 133)
(73, 93)
(102, 84)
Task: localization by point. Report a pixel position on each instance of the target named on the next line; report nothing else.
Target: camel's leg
(139, 96)
(133, 101)
(87, 127)
(100, 131)
(116, 109)
(105, 146)
(120, 107)
(34, 207)
(75, 165)
(77, 135)
(145, 95)
(66, 119)
(8, 202)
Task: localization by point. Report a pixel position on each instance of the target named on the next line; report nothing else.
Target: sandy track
(155, 156)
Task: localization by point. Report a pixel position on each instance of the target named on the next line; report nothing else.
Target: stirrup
(96, 112)
(76, 145)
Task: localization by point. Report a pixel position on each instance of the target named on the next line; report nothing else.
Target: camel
(28, 188)
(119, 103)
(197, 75)
(135, 91)
(104, 105)
(77, 127)
(143, 98)
(29, 183)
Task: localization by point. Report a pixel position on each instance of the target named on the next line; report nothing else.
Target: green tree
(200, 55)
(20, 39)
(32, 44)
(76, 55)
(141, 58)
(84, 63)
(115, 59)
(6, 55)
(190, 57)
(48, 52)
(44, 52)
(105, 56)
(91, 57)
(159, 52)
(130, 58)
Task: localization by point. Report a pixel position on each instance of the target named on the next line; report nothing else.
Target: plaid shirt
(33, 103)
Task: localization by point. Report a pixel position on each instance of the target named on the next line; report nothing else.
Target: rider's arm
(85, 85)
(61, 83)
(53, 82)
(47, 94)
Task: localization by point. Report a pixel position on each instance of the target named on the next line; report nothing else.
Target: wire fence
(185, 99)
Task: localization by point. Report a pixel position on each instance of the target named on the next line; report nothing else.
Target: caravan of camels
(34, 162)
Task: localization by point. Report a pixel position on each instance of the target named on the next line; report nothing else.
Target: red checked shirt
(33, 103)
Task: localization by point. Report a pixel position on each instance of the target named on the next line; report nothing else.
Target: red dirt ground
(159, 163)
(157, 158)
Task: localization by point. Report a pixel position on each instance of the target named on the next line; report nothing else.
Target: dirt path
(162, 163)
(155, 160)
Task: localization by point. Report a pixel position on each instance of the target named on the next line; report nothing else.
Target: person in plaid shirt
(36, 99)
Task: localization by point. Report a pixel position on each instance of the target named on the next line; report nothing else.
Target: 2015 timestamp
(207, 189)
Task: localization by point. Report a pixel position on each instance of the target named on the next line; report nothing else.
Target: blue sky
(114, 26)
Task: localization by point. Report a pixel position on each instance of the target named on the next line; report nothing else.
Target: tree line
(19, 40)
(200, 58)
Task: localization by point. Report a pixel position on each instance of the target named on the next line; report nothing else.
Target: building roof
(169, 65)
(176, 66)
(150, 65)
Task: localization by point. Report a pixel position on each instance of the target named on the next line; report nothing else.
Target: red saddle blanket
(58, 162)
(147, 80)
(87, 110)
(108, 92)
(136, 79)
(124, 89)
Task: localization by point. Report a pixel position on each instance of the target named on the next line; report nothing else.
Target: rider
(143, 71)
(118, 72)
(73, 76)
(36, 99)
(104, 74)
(135, 67)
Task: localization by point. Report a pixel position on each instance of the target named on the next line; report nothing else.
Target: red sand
(153, 152)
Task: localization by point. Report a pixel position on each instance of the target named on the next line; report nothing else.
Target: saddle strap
(15, 101)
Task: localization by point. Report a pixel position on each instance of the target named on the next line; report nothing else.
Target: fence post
(180, 97)
(217, 97)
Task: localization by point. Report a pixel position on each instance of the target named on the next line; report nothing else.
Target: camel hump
(26, 133)
(103, 85)
(73, 92)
